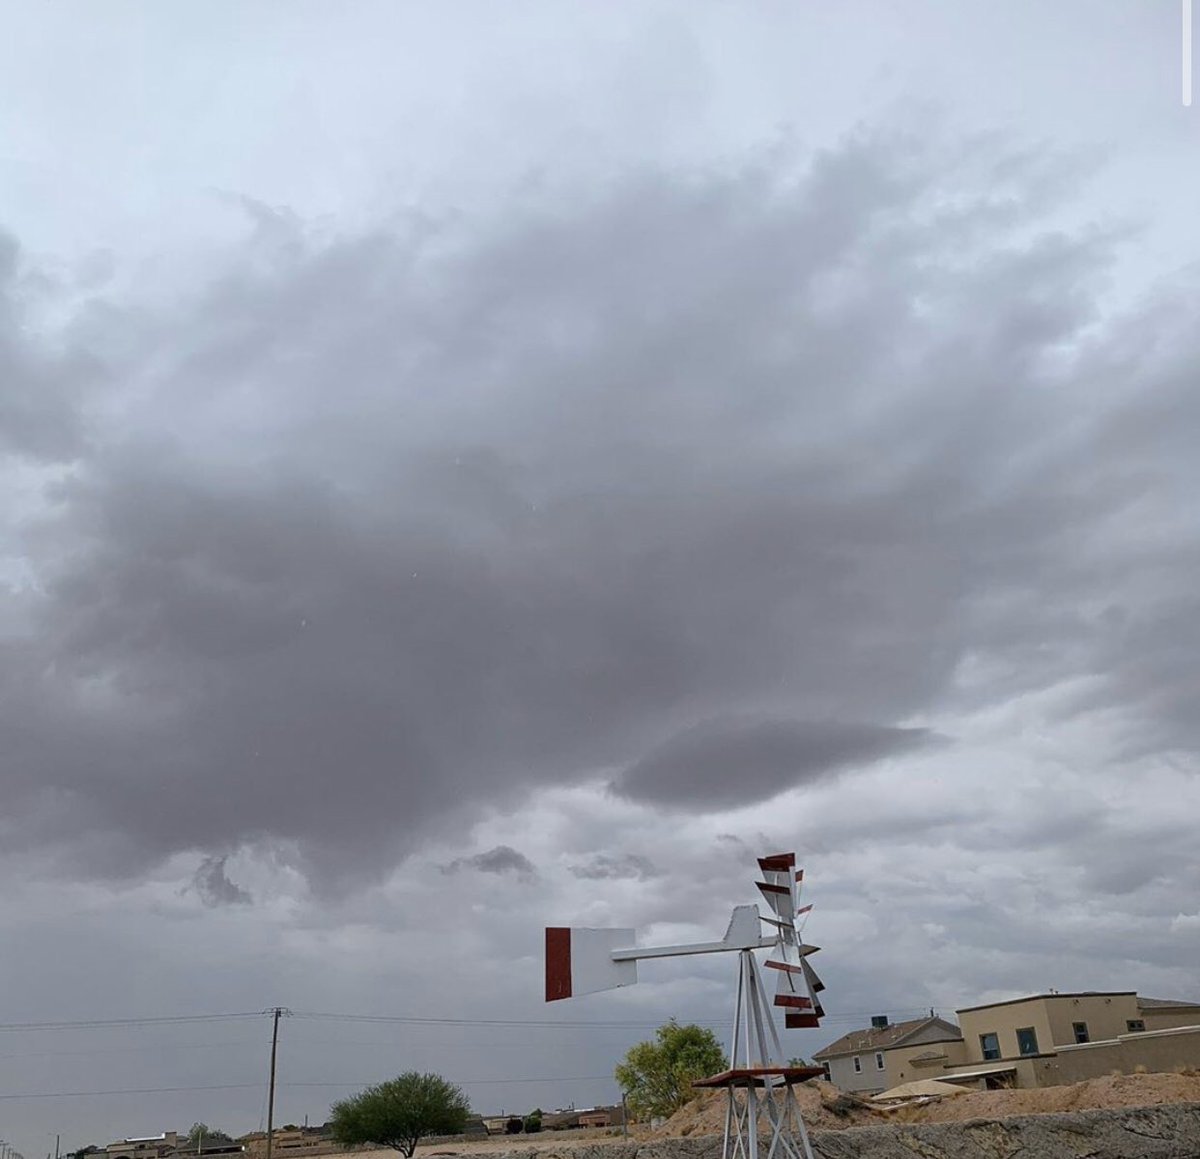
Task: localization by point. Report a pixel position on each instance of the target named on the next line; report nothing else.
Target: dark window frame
(1080, 1030)
(993, 1052)
(879, 1061)
(1031, 1031)
(858, 1064)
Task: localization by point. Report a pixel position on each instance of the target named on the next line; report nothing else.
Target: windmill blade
(779, 898)
(777, 863)
(811, 980)
(801, 1020)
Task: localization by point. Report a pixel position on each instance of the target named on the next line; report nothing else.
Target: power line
(562, 1024)
(139, 1091)
(397, 1019)
(23, 1054)
(117, 1023)
(467, 1082)
(258, 1086)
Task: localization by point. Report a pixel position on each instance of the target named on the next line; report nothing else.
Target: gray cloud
(399, 525)
(43, 382)
(501, 859)
(624, 866)
(724, 763)
(212, 883)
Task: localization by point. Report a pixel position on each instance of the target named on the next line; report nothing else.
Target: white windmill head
(797, 982)
(584, 961)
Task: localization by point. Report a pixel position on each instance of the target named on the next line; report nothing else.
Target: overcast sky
(470, 468)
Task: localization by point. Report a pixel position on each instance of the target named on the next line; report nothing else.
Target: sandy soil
(825, 1107)
(544, 1140)
(1128, 1090)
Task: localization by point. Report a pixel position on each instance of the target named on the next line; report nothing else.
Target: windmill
(584, 961)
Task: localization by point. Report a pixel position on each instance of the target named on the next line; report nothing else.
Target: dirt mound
(1127, 1090)
(823, 1106)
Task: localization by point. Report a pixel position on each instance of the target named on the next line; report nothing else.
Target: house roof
(1165, 1004)
(883, 1038)
(1055, 994)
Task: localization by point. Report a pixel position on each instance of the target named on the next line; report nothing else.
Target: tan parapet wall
(1153, 1050)
(1169, 1019)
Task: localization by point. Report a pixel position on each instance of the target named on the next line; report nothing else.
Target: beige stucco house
(869, 1060)
(1040, 1040)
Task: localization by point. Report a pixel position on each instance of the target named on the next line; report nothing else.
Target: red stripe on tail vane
(558, 963)
(804, 909)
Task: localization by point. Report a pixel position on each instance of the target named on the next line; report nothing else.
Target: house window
(989, 1045)
(1133, 1025)
(1027, 1041)
(857, 1065)
(879, 1060)
(1081, 1032)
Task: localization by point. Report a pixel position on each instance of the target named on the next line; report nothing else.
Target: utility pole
(276, 1012)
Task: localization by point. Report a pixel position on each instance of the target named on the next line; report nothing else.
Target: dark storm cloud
(40, 384)
(721, 764)
(628, 866)
(394, 526)
(212, 883)
(501, 859)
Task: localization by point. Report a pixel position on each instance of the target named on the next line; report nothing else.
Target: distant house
(145, 1146)
(292, 1142)
(859, 1061)
(612, 1116)
(577, 1118)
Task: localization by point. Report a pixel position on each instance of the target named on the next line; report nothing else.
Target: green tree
(400, 1112)
(533, 1122)
(202, 1133)
(657, 1076)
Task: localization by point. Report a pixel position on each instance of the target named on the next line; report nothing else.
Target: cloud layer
(375, 530)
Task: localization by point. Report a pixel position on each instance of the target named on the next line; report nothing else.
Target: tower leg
(756, 1041)
(752, 1122)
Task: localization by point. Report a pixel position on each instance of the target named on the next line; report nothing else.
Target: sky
(472, 469)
